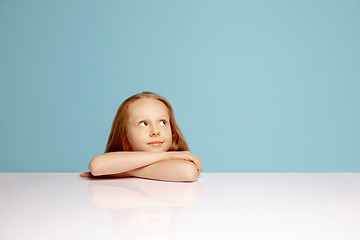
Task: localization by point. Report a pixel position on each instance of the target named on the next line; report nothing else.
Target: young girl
(146, 142)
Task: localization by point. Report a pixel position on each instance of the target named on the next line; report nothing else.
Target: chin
(158, 150)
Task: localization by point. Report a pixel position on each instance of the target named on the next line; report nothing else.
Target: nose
(154, 132)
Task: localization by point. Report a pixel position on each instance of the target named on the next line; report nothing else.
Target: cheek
(129, 136)
(168, 132)
(134, 143)
(136, 137)
(132, 137)
(168, 145)
(129, 139)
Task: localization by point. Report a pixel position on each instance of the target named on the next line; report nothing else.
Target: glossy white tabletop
(219, 205)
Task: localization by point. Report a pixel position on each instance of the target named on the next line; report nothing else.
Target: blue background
(257, 86)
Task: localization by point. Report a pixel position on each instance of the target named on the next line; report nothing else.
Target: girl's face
(148, 126)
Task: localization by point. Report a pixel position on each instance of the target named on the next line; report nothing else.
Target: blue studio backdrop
(257, 86)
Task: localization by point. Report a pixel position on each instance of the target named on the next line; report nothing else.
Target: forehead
(147, 107)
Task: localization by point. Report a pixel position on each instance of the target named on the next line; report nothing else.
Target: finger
(86, 174)
(196, 164)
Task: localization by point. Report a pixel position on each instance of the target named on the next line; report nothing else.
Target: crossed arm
(165, 166)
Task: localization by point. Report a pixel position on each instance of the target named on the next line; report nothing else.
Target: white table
(219, 205)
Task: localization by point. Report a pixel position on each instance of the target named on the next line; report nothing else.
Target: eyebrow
(145, 117)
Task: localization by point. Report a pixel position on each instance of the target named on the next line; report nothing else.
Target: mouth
(155, 143)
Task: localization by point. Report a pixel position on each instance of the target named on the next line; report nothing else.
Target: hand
(185, 155)
(117, 175)
(86, 174)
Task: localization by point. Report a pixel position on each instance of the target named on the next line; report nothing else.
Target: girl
(146, 142)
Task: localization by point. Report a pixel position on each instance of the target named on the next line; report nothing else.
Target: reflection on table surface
(218, 205)
(144, 209)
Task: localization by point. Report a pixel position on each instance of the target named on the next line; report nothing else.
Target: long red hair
(118, 140)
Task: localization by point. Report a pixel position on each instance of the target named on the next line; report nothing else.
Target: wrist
(165, 156)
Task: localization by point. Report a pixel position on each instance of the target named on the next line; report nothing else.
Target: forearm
(120, 162)
(169, 170)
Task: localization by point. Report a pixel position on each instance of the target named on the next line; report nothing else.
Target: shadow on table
(143, 209)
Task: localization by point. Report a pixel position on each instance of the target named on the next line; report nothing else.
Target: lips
(155, 143)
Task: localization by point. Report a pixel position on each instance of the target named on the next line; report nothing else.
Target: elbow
(94, 166)
(189, 172)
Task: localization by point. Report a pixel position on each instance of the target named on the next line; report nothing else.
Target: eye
(163, 122)
(143, 124)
